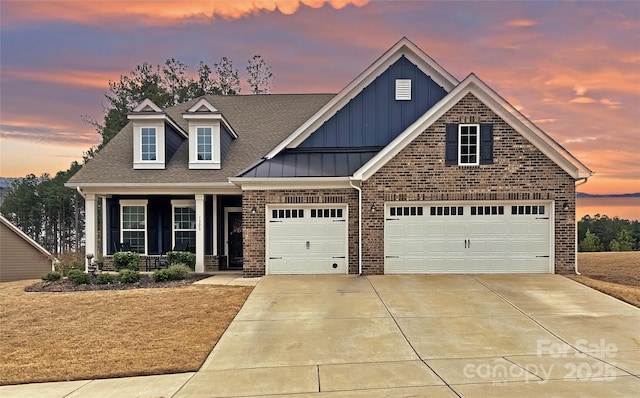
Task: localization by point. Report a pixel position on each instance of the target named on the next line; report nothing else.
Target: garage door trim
(307, 207)
(414, 208)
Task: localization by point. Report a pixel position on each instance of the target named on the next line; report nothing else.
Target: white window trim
(159, 163)
(460, 126)
(180, 203)
(139, 202)
(194, 162)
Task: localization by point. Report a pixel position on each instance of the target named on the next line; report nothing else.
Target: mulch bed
(145, 282)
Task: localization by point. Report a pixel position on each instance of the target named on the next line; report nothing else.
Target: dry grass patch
(616, 267)
(101, 334)
(614, 273)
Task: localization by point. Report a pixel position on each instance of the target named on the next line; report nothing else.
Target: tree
(46, 210)
(22, 206)
(228, 81)
(259, 75)
(591, 243)
(169, 84)
(623, 243)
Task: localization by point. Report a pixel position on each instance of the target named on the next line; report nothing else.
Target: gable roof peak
(403, 47)
(201, 106)
(147, 106)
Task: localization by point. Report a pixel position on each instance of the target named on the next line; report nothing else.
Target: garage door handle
(339, 220)
(542, 256)
(392, 219)
(308, 245)
(275, 220)
(338, 257)
(542, 218)
(392, 256)
(275, 258)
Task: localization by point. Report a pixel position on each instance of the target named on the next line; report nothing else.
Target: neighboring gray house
(20, 256)
(406, 170)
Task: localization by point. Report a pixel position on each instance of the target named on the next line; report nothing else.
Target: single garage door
(451, 237)
(307, 240)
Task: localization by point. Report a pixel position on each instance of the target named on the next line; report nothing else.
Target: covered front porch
(206, 224)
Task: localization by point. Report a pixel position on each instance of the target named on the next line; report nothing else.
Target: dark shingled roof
(261, 122)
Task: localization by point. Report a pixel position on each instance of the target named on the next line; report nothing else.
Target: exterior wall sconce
(254, 210)
(565, 206)
(373, 208)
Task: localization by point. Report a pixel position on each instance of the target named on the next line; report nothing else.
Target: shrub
(66, 267)
(104, 279)
(51, 276)
(175, 272)
(126, 260)
(129, 276)
(179, 271)
(79, 277)
(161, 275)
(187, 258)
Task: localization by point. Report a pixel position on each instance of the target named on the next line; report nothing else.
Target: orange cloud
(81, 78)
(582, 100)
(159, 12)
(521, 23)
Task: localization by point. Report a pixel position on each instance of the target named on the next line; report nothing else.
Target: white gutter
(359, 224)
(575, 265)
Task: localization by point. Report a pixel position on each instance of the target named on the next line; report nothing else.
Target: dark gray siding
(374, 117)
(312, 164)
(225, 141)
(173, 140)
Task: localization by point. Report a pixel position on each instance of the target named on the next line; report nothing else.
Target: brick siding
(254, 224)
(519, 172)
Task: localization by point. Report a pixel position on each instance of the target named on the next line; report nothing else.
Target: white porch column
(89, 227)
(104, 225)
(215, 224)
(200, 233)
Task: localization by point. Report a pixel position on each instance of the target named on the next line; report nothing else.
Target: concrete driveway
(432, 335)
(406, 336)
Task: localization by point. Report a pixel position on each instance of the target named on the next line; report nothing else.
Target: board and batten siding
(374, 117)
(19, 258)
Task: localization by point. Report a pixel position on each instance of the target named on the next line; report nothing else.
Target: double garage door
(419, 237)
(468, 238)
(307, 240)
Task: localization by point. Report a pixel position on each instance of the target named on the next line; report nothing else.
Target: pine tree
(591, 243)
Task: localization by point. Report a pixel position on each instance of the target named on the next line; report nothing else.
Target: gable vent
(403, 90)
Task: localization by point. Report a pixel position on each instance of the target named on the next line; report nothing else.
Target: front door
(234, 238)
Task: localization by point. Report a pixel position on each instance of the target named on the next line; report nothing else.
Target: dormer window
(210, 136)
(205, 143)
(149, 136)
(148, 145)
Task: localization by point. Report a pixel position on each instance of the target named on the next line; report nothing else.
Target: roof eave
(259, 184)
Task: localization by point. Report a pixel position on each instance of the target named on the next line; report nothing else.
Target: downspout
(575, 266)
(359, 224)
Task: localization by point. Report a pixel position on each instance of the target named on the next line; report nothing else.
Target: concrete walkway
(397, 336)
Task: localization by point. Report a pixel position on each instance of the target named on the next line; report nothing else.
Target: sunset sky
(573, 68)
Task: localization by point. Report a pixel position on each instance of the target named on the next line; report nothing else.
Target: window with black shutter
(468, 144)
